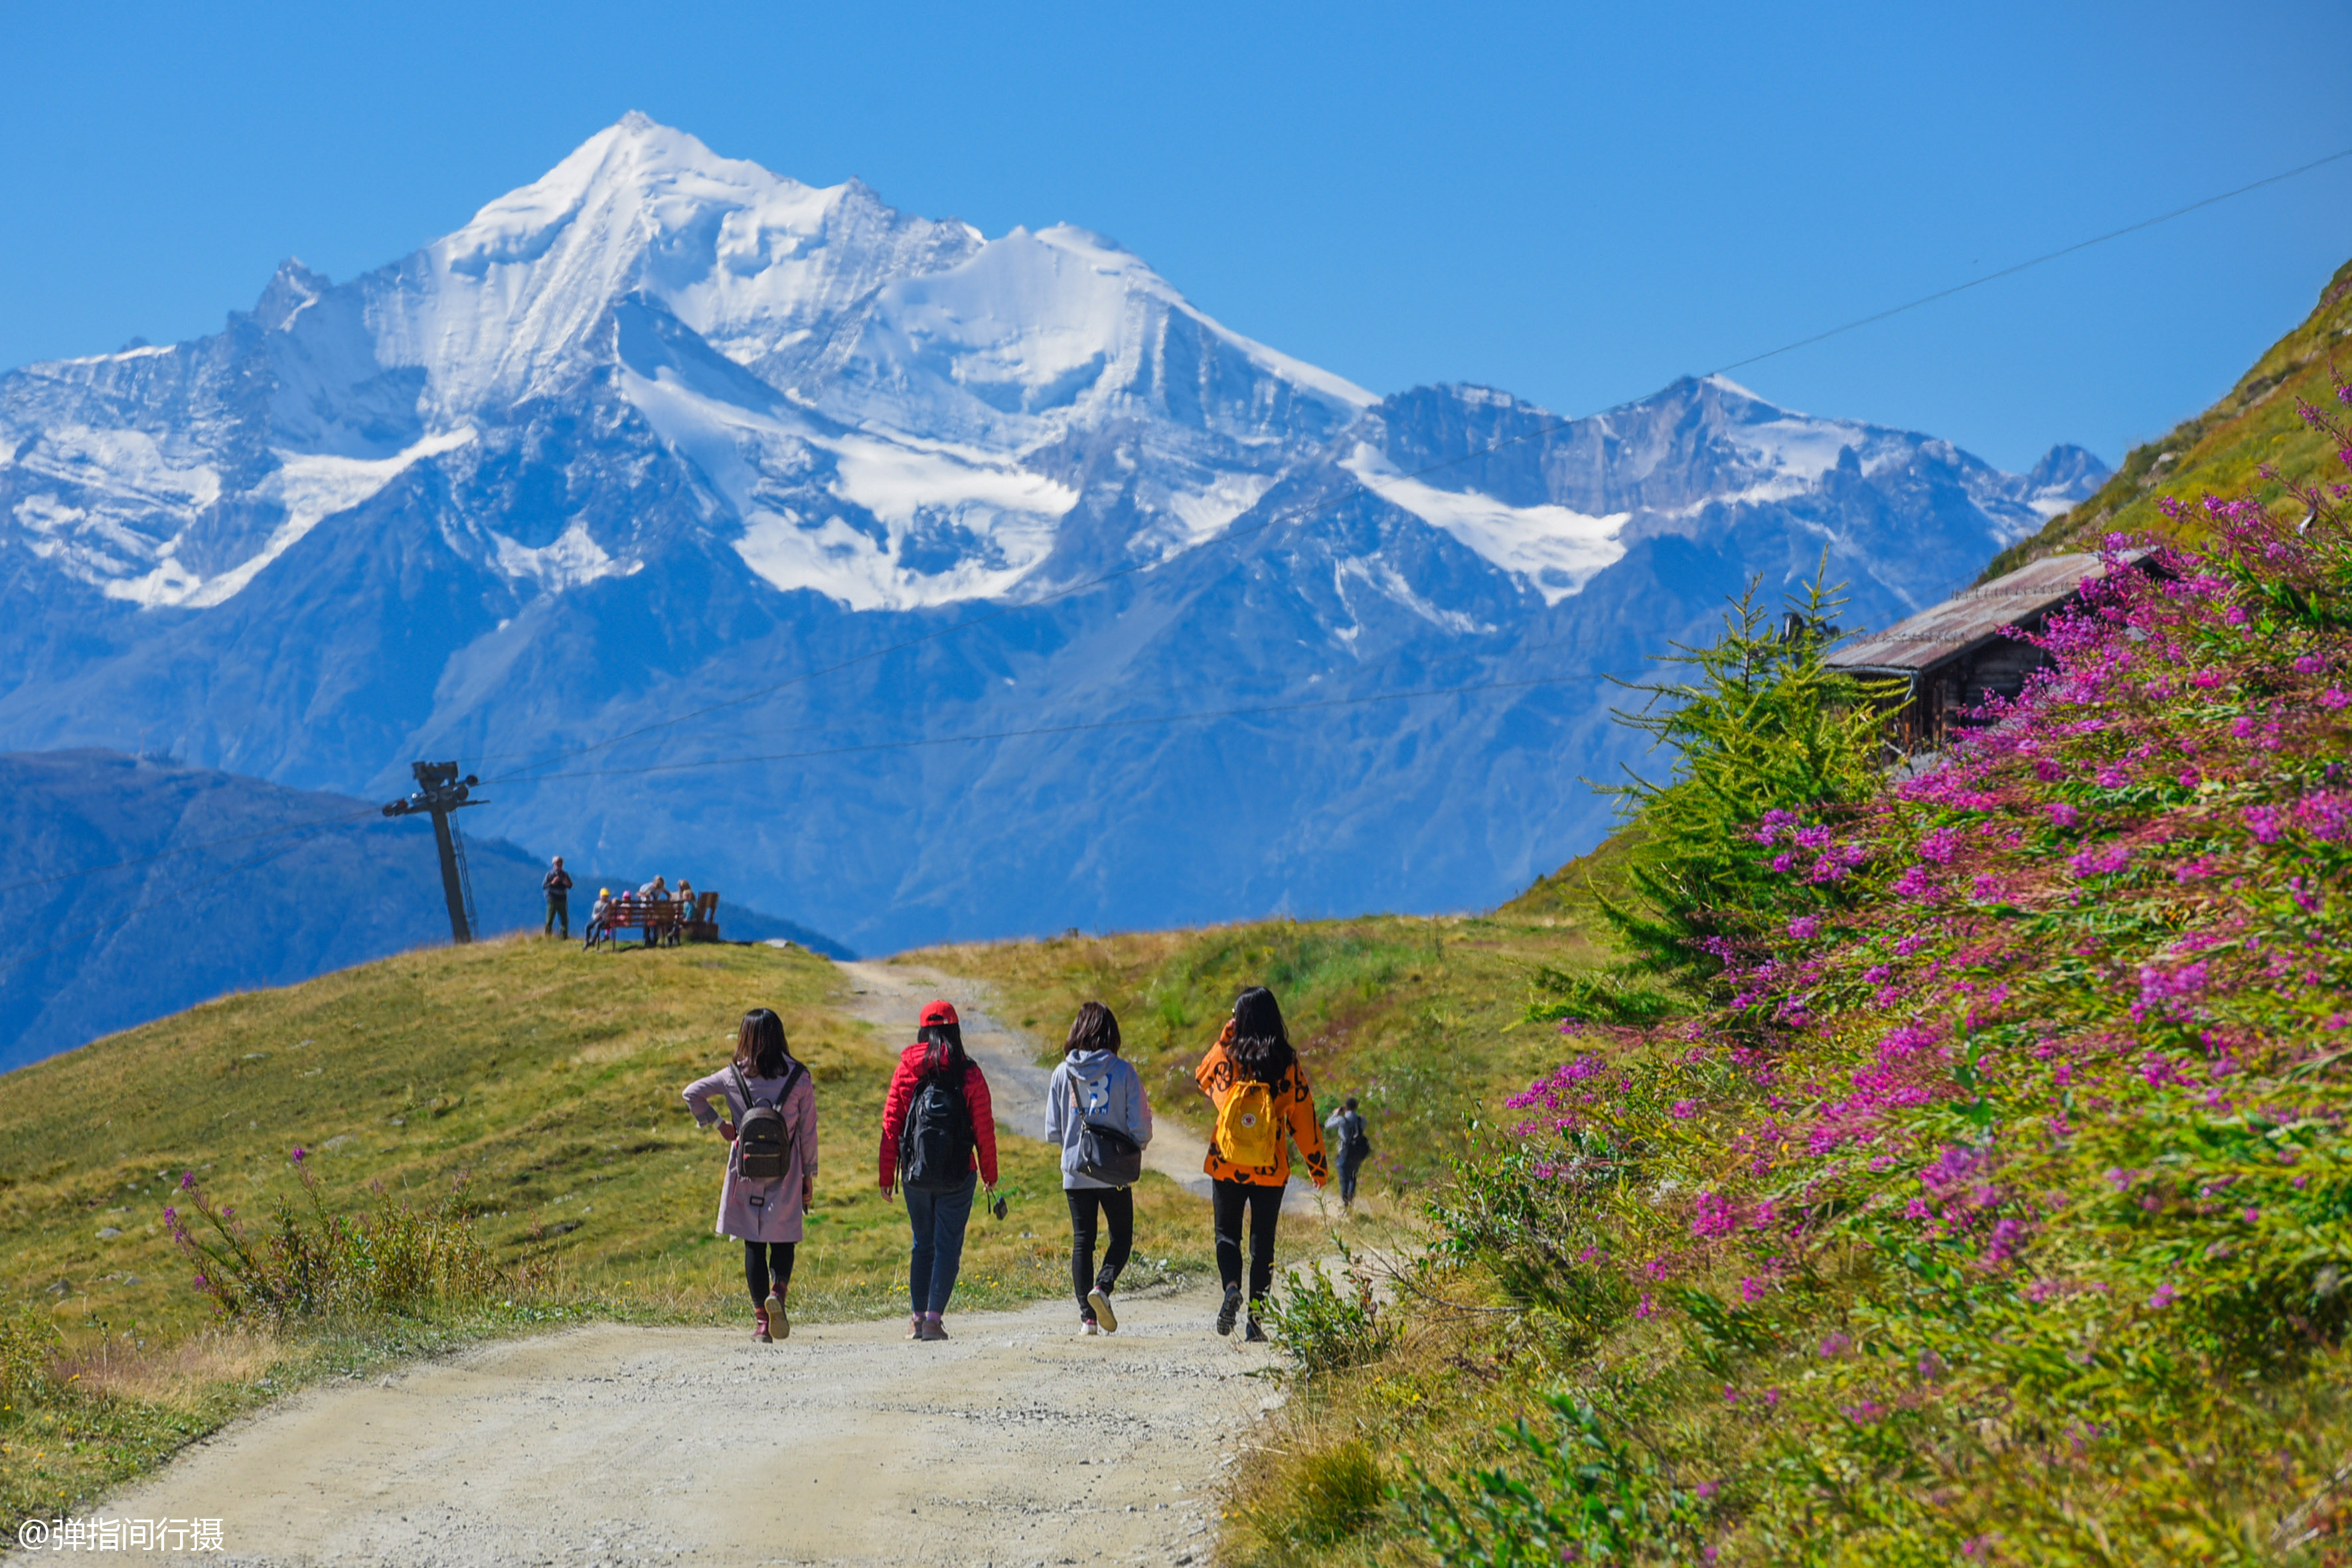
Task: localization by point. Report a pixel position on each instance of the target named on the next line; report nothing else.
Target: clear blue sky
(1576, 203)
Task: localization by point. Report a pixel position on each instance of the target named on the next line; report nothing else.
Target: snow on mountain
(662, 427)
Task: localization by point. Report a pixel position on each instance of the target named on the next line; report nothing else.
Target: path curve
(1017, 1442)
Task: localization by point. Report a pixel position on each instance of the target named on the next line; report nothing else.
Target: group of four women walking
(939, 1147)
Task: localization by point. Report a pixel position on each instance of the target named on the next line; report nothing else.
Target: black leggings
(760, 1257)
(1226, 1203)
(1118, 1205)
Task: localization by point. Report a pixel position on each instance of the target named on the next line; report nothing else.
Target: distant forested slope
(170, 924)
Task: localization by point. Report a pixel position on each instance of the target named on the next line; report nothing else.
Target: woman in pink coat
(763, 1214)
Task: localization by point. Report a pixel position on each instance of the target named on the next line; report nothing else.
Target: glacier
(702, 511)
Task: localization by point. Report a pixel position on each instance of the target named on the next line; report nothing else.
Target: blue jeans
(939, 1219)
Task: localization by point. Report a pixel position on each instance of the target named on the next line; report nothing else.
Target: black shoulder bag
(1105, 1154)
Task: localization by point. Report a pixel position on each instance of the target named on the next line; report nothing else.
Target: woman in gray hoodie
(1095, 1085)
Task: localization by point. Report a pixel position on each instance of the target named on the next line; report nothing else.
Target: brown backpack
(763, 1141)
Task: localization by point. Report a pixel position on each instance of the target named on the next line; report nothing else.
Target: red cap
(940, 1013)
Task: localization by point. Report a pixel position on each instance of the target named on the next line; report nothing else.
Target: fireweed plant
(2003, 1212)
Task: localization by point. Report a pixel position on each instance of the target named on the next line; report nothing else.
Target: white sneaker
(1100, 1300)
(1086, 1326)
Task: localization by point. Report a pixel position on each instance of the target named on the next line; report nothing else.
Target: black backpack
(935, 1145)
(1105, 1154)
(764, 1143)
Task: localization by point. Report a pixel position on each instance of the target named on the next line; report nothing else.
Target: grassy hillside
(537, 1084)
(2222, 450)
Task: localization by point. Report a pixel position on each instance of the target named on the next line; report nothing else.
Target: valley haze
(664, 430)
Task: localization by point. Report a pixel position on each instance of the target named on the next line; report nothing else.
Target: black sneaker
(1230, 1310)
(1252, 1334)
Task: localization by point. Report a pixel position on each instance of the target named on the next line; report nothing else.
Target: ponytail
(942, 1049)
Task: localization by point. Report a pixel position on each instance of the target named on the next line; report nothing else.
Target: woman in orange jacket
(1260, 1090)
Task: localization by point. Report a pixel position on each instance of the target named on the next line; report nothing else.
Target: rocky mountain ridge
(663, 429)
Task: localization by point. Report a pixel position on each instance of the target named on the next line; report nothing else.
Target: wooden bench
(664, 922)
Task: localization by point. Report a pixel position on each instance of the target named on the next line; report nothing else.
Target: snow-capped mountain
(663, 431)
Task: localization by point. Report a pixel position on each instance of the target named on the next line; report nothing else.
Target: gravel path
(1016, 1442)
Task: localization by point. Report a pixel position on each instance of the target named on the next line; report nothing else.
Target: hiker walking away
(1349, 1147)
(557, 886)
(770, 1123)
(938, 1130)
(1254, 1079)
(1095, 1109)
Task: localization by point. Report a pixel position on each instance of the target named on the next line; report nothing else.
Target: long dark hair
(760, 1049)
(942, 1049)
(1096, 1028)
(1261, 1046)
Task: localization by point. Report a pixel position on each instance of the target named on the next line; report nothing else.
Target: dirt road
(891, 995)
(1016, 1442)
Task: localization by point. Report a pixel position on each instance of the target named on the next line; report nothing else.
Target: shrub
(1323, 1324)
(28, 1341)
(1593, 1499)
(1591, 998)
(398, 1259)
(1339, 1488)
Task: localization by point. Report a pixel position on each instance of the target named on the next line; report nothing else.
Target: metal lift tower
(440, 790)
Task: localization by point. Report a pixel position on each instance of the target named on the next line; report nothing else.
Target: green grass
(2221, 451)
(537, 1084)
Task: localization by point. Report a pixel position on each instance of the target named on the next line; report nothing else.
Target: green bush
(1323, 1324)
(1594, 1498)
(28, 1339)
(1593, 998)
(398, 1259)
(1339, 1490)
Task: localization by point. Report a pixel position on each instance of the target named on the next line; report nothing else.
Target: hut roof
(1968, 620)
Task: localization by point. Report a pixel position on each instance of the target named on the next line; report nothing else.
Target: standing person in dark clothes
(1349, 1147)
(763, 1212)
(1260, 1090)
(557, 886)
(1095, 1086)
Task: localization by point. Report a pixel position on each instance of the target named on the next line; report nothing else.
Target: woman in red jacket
(937, 1130)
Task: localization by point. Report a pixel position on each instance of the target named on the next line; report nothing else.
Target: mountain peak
(2065, 465)
(291, 290)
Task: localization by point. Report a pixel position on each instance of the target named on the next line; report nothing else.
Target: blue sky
(1576, 203)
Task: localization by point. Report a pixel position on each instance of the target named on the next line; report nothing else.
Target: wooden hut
(1955, 655)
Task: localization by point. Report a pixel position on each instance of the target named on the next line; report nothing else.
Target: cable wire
(2012, 271)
